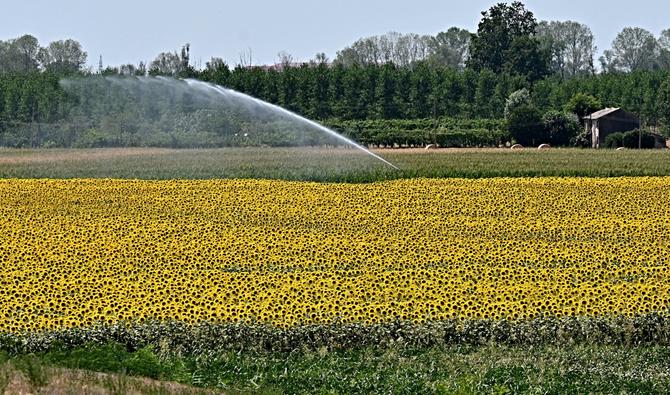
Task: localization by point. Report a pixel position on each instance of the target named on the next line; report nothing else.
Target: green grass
(109, 369)
(446, 369)
(569, 355)
(330, 165)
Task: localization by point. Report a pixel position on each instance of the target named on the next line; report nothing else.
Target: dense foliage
(505, 42)
(632, 139)
(447, 132)
(37, 111)
(444, 78)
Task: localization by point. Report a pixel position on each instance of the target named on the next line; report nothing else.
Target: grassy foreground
(28, 374)
(572, 355)
(448, 369)
(327, 164)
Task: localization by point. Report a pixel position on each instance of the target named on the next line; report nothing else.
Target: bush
(516, 100)
(144, 363)
(583, 104)
(525, 125)
(560, 127)
(447, 132)
(93, 138)
(632, 139)
(582, 139)
(469, 138)
(614, 140)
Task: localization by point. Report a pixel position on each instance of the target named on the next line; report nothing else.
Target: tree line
(536, 76)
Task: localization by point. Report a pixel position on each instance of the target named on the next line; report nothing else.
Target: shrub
(33, 370)
(179, 338)
(560, 127)
(447, 132)
(632, 139)
(614, 140)
(581, 139)
(525, 125)
(144, 363)
(516, 100)
(583, 104)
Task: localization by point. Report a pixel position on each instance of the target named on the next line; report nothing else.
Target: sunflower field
(76, 253)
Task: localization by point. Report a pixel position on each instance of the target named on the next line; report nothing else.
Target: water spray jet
(191, 90)
(233, 93)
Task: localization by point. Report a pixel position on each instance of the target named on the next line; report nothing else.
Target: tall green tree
(448, 91)
(503, 30)
(486, 87)
(173, 64)
(526, 58)
(450, 48)
(582, 104)
(633, 49)
(216, 71)
(320, 89)
(19, 55)
(421, 91)
(524, 120)
(570, 45)
(663, 105)
(288, 88)
(354, 100)
(386, 105)
(166, 63)
(271, 86)
(336, 91)
(63, 57)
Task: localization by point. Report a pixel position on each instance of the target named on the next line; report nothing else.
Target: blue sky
(124, 31)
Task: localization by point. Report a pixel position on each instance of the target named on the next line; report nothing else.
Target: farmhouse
(609, 120)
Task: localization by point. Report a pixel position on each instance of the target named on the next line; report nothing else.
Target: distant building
(610, 120)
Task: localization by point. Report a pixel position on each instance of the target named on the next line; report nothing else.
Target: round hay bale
(544, 146)
(621, 149)
(431, 146)
(517, 146)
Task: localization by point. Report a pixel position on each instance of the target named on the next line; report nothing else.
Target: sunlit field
(81, 252)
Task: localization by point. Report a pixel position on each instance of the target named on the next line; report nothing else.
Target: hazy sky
(125, 31)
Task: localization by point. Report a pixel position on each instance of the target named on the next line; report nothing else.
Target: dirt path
(47, 380)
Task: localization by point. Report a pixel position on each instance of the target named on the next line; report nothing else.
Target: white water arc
(232, 93)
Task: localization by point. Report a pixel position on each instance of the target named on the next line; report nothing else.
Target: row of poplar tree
(454, 74)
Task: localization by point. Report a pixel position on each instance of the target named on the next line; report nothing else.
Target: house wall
(595, 133)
